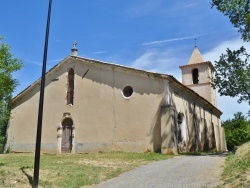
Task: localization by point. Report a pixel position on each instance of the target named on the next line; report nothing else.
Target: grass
(237, 168)
(78, 170)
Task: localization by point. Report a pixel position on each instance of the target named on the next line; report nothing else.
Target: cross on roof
(74, 45)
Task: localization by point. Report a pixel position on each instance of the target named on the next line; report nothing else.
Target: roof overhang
(199, 64)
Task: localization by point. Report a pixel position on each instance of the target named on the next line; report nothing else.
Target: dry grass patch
(237, 168)
(78, 170)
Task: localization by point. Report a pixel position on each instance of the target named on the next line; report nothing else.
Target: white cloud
(177, 6)
(55, 60)
(145, 8)
(40, 63)
(154, 59)
(162, 7)
(186, 37)
(230, 106)
(190, 4)
(33, 62)
(170, 40)
(235, 44)
(160, 61)
(99, 52)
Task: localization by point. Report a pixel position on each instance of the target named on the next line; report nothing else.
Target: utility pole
(40, 111)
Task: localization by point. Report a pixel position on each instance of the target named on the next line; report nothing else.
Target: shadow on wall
(201, 135)
(155, 131)
(183, 131)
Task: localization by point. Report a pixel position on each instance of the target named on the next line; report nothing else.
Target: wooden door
(66, 145)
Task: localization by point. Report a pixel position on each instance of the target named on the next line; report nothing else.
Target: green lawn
(78, 170)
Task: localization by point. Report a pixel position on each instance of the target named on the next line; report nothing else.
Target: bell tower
(197, 75)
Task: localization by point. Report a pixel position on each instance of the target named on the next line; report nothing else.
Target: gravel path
(181, 171)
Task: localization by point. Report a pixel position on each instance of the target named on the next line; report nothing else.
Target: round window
(127, 91)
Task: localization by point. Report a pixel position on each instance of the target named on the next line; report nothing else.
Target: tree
(8, 65)
(237, 130)
(232, 75)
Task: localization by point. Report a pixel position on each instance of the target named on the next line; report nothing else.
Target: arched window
(195, 74)
(70, 90)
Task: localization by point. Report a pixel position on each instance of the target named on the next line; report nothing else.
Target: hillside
(237, 168)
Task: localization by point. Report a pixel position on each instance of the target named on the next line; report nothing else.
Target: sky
(153, 35)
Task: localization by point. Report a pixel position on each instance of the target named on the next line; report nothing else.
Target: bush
(237, 130)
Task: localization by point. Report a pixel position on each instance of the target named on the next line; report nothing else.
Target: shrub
(237, 130)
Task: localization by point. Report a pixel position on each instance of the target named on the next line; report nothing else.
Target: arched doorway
(66, 145)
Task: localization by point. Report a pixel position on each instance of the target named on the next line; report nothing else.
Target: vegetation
(16, 170)
(8, 65)
(237, 130)
(237, 168)
(232, 76)
(238, 13)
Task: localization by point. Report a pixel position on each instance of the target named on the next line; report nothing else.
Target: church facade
(93, 106)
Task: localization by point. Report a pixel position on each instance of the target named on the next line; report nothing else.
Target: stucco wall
(203, 88)
(103, 118)
(207, 127)
(204, 73)
(205, 91)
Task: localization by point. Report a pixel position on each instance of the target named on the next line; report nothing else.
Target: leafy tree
(237, 130)
(8, 65)
(238, 13)
(232, 76)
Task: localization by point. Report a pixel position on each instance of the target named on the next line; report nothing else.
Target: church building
(94, 106)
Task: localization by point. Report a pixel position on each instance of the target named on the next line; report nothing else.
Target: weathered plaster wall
(203, 88)
(201, 127)
(204, 73)
(103, 119)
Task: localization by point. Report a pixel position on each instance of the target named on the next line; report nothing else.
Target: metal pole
(40, 111)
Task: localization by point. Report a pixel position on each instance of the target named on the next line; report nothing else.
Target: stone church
(94, 106)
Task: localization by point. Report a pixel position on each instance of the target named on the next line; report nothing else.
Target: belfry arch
(195, 76)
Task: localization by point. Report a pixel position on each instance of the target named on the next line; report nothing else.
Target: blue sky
(155, 35)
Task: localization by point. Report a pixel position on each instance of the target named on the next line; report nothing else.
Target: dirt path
(182, 171)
